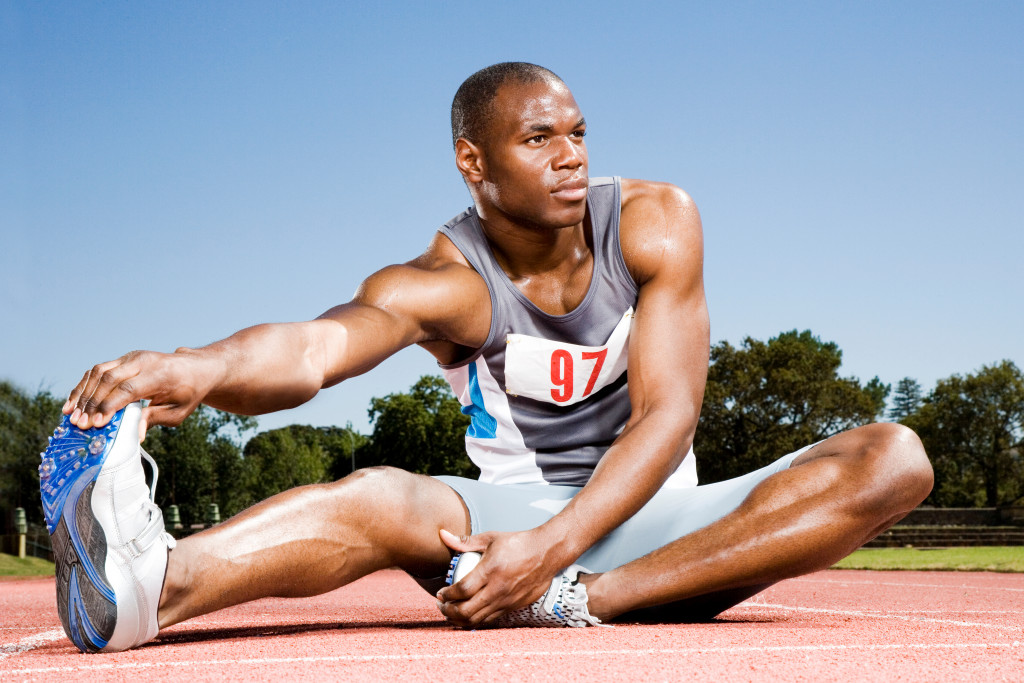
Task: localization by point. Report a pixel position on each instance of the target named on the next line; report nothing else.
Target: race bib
(564, 374)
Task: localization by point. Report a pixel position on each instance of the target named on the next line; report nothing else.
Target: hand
(174, 383)
(515, 570)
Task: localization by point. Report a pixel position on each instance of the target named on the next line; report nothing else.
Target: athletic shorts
(671, 514)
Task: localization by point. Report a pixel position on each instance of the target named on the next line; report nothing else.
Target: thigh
(509, 507)
(674, 513)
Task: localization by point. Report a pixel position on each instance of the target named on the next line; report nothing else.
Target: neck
(526, 250)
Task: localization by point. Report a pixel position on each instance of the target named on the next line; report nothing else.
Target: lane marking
(881, 615)
(29, 643)
(909, 585)
(521, 654)
(945, 611)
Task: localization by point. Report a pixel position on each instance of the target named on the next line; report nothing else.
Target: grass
(980, 559)
(30, 566)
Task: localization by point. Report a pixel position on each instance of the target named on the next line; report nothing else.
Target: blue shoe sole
(67, 475)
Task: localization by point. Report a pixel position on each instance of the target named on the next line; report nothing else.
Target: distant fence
(37, 543)
(928, 516)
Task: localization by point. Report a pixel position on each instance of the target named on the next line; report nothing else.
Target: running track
(832, 625)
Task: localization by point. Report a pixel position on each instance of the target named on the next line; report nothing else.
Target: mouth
(572, 190)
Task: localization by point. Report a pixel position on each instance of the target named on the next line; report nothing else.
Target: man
(539, 302)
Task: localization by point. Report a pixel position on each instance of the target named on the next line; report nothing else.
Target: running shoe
(107, 534)
(563, 604)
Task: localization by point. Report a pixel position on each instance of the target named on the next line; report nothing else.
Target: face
(532, 166)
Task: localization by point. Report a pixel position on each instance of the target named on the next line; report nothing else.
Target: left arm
(668, 360)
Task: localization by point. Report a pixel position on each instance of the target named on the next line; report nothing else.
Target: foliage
(906, 399)
(767, 399)
(25, 423)
(420, 431)
(281, 459)
(200, 463)
(973, 430)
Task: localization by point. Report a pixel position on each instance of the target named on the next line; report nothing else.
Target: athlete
(569, 316)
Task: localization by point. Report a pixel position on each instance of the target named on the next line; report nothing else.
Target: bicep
(668, 350)
(394, 308)
(670, 340)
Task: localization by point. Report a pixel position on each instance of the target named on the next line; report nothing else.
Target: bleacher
(955, 528)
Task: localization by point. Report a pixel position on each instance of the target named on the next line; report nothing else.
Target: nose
(571, 153)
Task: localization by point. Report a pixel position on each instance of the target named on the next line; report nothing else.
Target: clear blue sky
(172, 172)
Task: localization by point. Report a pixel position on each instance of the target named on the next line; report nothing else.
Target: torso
(546, 388)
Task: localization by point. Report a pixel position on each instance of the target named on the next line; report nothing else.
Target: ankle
(174, 589)
(598, 602)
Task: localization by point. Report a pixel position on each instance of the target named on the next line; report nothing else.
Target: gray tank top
(547, 393)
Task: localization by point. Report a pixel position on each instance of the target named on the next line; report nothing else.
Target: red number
(561, 375)
(594, 355)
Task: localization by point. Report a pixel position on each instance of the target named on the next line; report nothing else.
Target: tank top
(547, 394)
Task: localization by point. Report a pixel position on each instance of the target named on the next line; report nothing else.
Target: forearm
(635, 467)
(259, 369)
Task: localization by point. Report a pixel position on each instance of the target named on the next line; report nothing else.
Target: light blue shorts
(671, 514)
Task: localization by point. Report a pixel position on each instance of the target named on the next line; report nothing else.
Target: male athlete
(569, 316)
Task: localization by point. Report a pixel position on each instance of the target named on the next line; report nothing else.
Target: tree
(973, 430)
(25, 423)
(291, 456)
(200, 463)
(342, 445)
(906, 399)
(767, 399)
(420, 431)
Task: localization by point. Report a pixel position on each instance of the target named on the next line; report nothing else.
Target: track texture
(832, 625)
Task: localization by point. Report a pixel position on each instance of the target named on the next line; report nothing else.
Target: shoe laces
(156, 516)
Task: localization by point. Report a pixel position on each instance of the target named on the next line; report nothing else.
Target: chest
(561, 291)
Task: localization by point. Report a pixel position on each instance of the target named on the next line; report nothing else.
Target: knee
(381, 493)
(899, 460)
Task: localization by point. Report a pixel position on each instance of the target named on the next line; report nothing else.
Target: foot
(107, 533)
(563, 604)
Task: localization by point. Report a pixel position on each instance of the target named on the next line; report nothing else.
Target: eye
(579, 133)
(537, 138)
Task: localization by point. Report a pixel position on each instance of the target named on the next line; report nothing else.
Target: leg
(313, 539)
(834, 498)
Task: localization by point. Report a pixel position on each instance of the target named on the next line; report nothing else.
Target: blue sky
(172, 172)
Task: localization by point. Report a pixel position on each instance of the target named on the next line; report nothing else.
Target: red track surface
(834, 625)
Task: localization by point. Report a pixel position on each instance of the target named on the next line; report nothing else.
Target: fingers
(104, 390)
(109, 387)
(473, 612)
(463, 544)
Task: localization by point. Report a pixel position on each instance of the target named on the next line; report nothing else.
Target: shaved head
(474, 101)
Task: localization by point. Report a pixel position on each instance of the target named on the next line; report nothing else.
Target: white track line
(29, 643)
(911, 585)
(516, 655)
(882, 615)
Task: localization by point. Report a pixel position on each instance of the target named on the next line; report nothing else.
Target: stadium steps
(948, 537)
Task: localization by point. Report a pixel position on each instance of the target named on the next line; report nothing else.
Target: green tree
(26, 421)
(905, 400)
(420, 431)
(766, 399)
(973, 430)
(342, 446)
(200, 462)
(284, 458)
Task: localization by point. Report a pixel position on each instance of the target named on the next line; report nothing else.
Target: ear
(469, 160)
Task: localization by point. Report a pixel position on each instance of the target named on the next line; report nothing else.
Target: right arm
(276, 366)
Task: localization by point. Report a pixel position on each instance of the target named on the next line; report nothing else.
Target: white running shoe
(107, 533)
(563, 604)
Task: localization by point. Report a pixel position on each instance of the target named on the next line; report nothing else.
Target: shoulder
(659, 229)
(438, 289)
